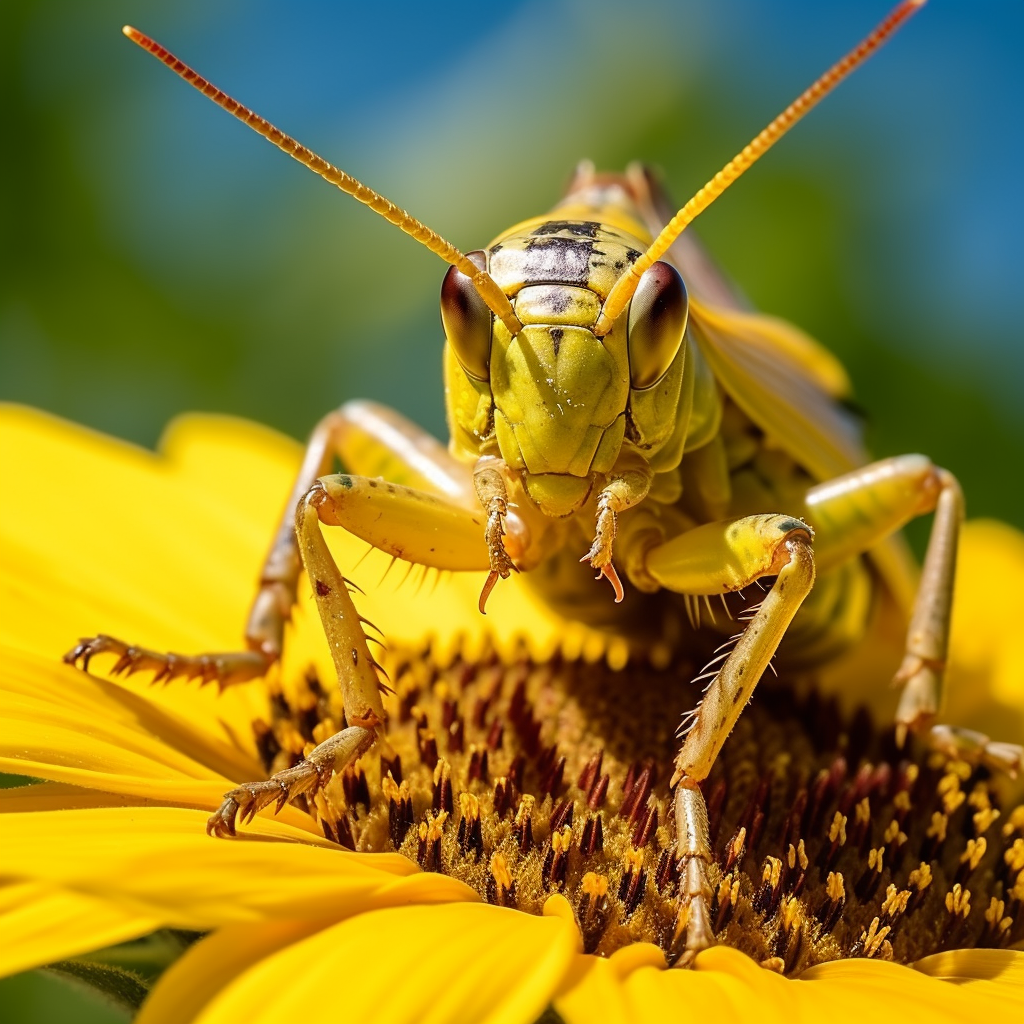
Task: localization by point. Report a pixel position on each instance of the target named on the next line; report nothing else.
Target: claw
(501, 567)
(976, 748)
(87, 647)
(223, 669)
(600, 554)
(607, 571)
(492, 578)
(79, 651)
(221, 823)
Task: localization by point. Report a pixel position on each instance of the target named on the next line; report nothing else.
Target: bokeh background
(158, 257)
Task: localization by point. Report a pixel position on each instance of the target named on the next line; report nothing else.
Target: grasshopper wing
(783, 381)
(788, 385)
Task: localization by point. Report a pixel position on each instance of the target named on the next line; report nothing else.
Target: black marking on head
(556, 338)
(580, 228)
(557, 260)
(560, 301)
(556, 301)
(496, 248)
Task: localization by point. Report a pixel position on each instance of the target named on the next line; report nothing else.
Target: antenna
(496, 299)
(623, 289)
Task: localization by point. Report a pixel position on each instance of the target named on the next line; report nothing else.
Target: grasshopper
(605, 416)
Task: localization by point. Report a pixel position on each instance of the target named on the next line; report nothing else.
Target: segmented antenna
(623, 289)
(488, 288)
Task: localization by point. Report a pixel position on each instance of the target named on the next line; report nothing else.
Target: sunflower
(507, 856)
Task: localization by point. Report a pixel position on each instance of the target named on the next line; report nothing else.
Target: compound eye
(657, 319)
(467, 320)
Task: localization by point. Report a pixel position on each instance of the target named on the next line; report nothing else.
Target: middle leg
(367, 438)
(852, 514)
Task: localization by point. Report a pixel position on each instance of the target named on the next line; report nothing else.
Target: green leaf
(125, 989)
(123, 974)
(148, 957)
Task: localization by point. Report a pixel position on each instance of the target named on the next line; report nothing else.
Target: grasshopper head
(559, 394)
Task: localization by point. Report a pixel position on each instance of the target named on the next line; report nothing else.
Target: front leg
(489, 481)
(312, 773)
(407, 523)
(715, 559)
(626, 487)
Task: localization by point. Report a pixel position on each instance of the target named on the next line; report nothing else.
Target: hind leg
(853, 513)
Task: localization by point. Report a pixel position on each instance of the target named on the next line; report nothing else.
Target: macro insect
(614, 407)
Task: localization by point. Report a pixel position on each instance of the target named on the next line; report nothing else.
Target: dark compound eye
(467, 320)
(657, 319)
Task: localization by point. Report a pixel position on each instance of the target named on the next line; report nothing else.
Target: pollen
(920, 878)
(895, 902)
(837, 830)
(529, 779)
(873, 942)
(834, 887)
(1014, 856)
(958, 901)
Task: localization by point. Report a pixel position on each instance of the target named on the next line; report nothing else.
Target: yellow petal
(57, 796)
(58, 724)
(725, 984)
(212, 963)
(592, 989)
(110, 541)
(986, 675)
(41, 730)
(159, 861)
(635, 987)
(466, 962)
(722, 978)
(996, 973)
(213, 453)
(861, 989)
(34, 682)
(41, 924)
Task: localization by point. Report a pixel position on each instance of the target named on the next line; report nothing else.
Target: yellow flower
(163, 550)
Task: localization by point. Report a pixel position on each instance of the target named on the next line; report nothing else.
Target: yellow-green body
(559, 410)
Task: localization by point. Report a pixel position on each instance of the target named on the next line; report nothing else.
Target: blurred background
(158, 257)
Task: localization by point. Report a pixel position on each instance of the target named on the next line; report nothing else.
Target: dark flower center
(527, 779)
